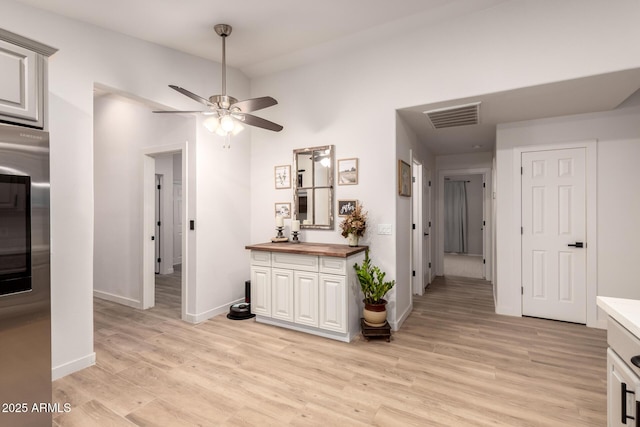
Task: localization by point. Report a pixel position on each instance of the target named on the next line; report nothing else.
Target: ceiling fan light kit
(226, 113)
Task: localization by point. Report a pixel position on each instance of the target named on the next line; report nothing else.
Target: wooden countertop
(324, 249)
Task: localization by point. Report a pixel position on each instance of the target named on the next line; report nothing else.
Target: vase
(375, 314)
(352, 239)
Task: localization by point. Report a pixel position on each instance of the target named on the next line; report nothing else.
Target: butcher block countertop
(323, 249)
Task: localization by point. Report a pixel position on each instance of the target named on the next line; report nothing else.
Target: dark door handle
(623, 397)
(576, 245)
(426, 234)
(636, 360)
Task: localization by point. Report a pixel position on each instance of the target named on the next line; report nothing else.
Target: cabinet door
(622, 394)
(282, 294)
(333, 302)
(305, 294)
(20, 84)
(261, 290)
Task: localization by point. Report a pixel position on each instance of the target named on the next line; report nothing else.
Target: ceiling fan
(225, 111)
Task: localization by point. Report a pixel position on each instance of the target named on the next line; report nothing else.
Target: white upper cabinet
(23, 80)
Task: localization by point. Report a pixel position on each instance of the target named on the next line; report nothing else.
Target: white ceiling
(269, 36)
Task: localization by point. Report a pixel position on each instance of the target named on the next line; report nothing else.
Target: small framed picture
(283, 176)
(404, 178)
(345, 207)
(348, 171)
(283, 210)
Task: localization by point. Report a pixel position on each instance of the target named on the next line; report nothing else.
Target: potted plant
(374, 288)
(354, 225)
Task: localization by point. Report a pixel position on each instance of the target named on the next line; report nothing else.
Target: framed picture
(283, 176)
(347, 171)
(404, 179)
(345, 207)
(283, 210)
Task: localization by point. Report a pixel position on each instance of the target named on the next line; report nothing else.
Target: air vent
(459, 115)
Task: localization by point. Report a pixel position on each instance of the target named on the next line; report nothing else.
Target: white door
(417, 274)
(158, 232)
(281, 294)
(553, 229)
(305, 293)
(177, 224)
(333, 302)
(261, 290)
(426, 227)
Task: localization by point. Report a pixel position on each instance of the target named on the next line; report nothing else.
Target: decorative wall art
(348, 171)
(283, 176)
(345, 207)
(404, 179)
(283, 210)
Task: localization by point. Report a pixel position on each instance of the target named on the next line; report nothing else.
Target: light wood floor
(453, 363)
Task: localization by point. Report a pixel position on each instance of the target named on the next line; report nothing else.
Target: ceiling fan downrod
(223, 30)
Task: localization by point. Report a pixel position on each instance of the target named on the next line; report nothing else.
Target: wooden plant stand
(369, 332)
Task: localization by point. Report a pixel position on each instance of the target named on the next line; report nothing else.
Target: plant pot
(352, 239)
(375, 314)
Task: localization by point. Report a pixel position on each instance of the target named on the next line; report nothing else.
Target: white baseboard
(396, 324)
(117, 298)
(508, 311)
(201, 317)
(73, 366)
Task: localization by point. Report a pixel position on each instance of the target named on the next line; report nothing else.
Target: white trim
(201, 317)
(591, 175)
(487, 236)
(416, 234)
(65, 369)
(129, 302)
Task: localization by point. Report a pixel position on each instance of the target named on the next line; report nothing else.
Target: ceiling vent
(459, 115)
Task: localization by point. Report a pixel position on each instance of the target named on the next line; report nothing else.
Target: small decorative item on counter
(374, 288)
(354, 225)
(279, 227)
(295, 230)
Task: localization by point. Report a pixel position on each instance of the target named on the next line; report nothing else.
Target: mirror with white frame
(313, 190)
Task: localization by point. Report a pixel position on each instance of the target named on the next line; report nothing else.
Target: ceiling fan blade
(192, 96)
(261, 123)
(255, 104)
(177, 112)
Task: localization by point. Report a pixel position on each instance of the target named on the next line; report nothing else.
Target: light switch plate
(384, 228)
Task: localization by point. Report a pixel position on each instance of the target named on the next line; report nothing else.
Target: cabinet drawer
(333, 265)
(261, 258)
(624, 343)
(294, 261)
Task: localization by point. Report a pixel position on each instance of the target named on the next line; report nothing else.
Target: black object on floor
(242, 310)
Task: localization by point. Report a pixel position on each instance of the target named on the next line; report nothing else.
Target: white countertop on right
(624, 311)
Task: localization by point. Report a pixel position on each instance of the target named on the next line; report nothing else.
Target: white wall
(89, 55)
(349, 99)
(618, 201)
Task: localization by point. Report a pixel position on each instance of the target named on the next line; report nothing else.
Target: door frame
(487, 232)
(148, 227)
(591, 174)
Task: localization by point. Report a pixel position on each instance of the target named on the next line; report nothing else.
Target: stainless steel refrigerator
(25, 313)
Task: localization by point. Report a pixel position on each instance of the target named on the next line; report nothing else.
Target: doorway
(471, 257)
(164, 257)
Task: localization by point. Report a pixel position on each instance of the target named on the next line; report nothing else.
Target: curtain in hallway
(455, 217)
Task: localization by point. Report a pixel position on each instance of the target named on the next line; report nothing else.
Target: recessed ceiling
(585, 95)
(267, 35)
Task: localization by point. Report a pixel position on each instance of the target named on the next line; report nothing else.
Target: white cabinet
(23, 82)
(333, 302)
(282, 294)
(317, 294)
(261, 290)
(305, 293)
(623, 388)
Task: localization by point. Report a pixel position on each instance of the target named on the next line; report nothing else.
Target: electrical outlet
(384, 228)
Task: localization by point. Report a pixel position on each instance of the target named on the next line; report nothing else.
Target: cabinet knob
(636, 360)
